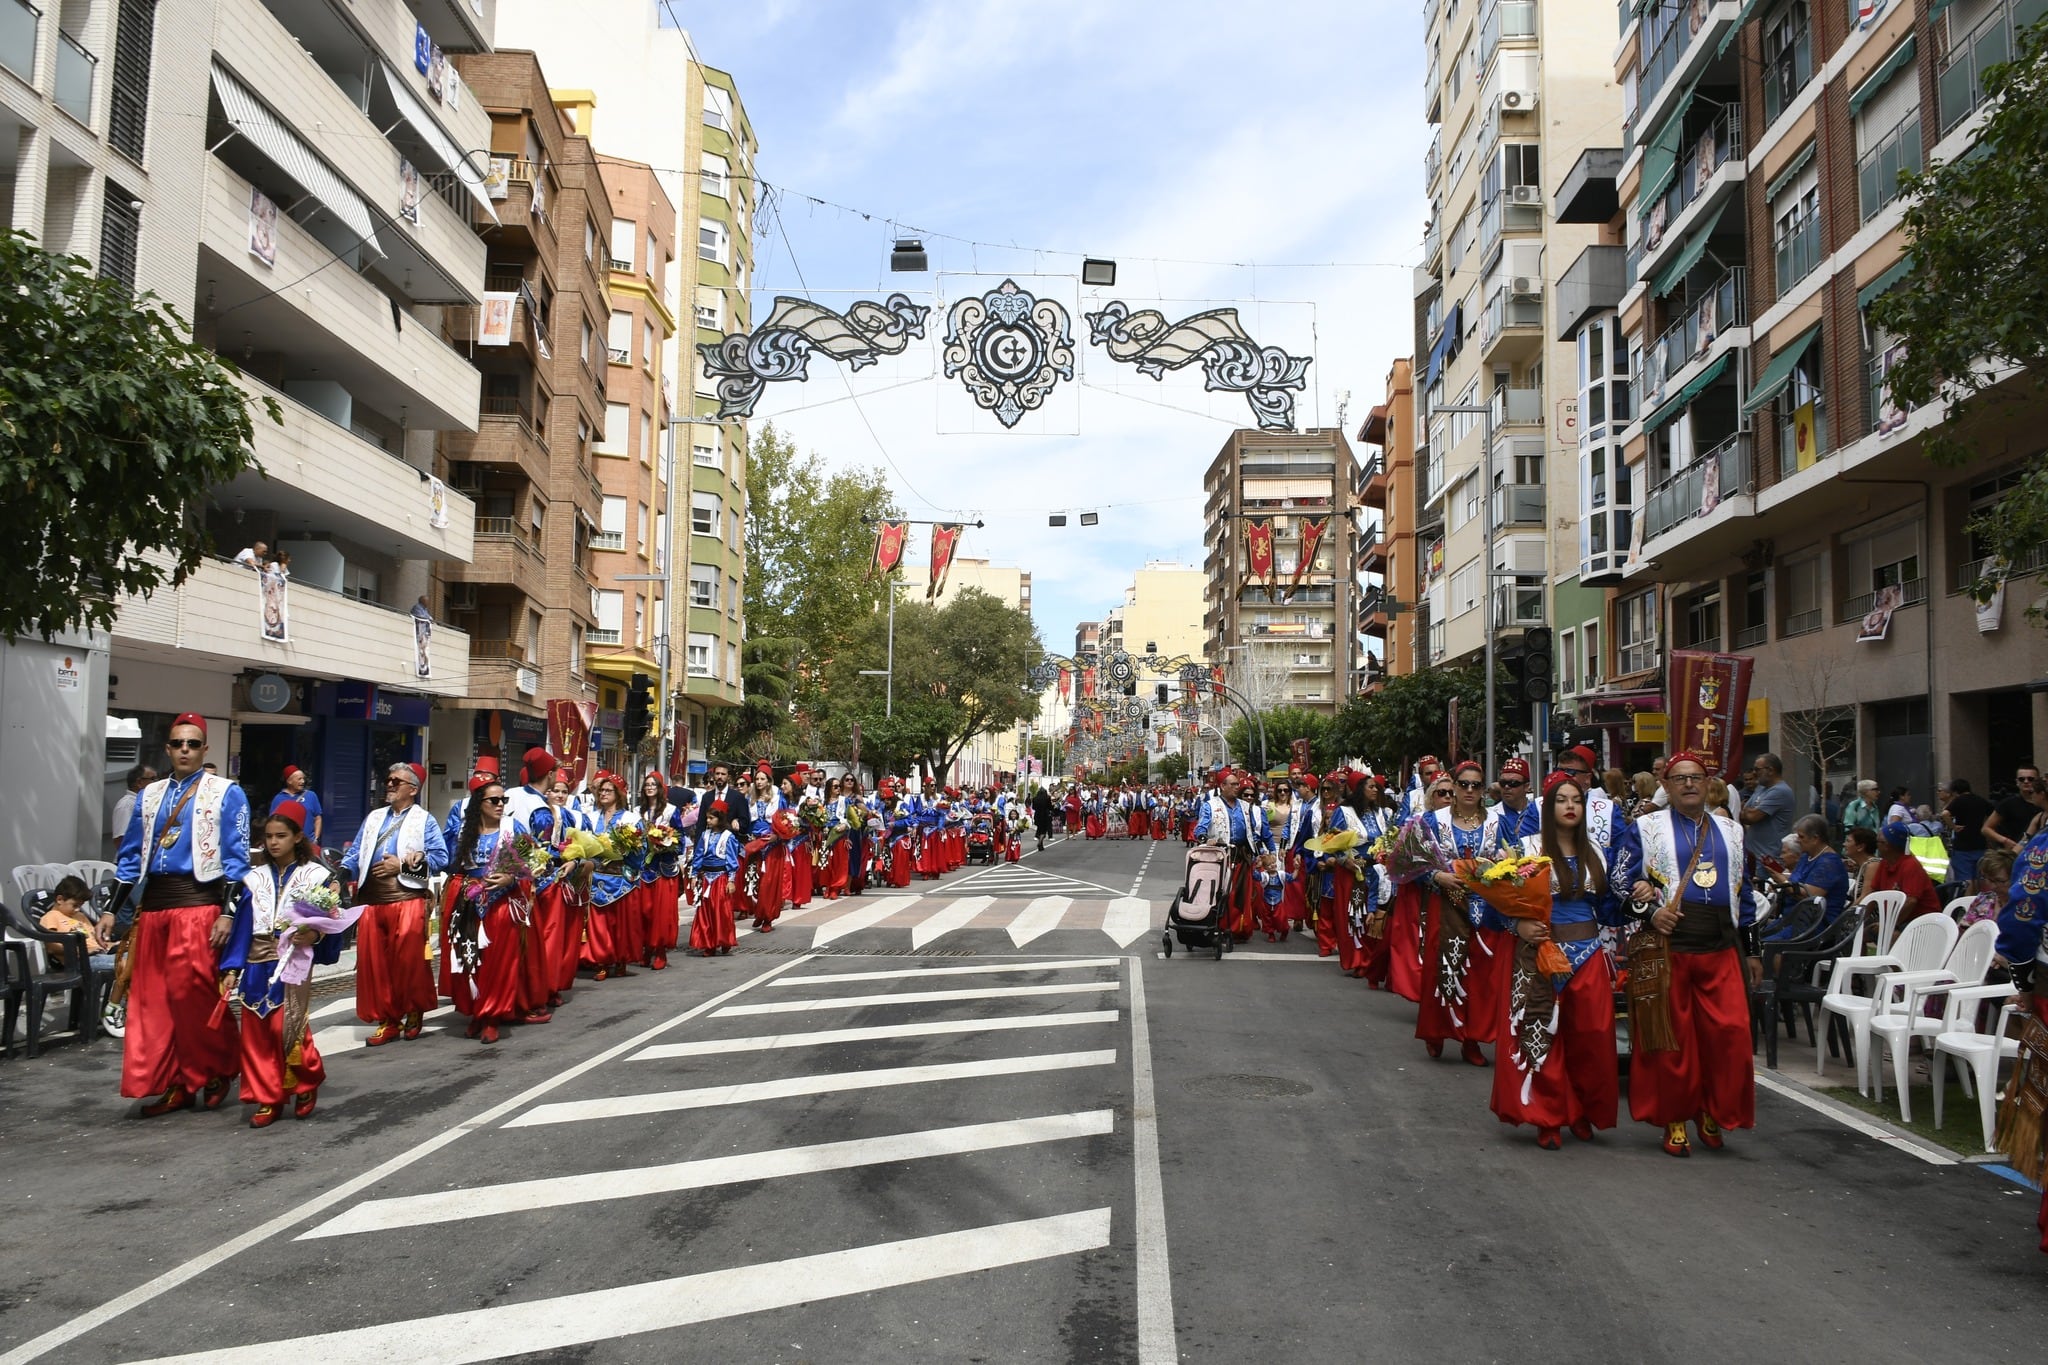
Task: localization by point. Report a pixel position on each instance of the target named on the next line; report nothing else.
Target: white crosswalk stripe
(1127, 919)
(921, 973)
(860, 917)
(1037, 919)
(933, 920)
(862, 1002)
(930, 1028)
(958, 915)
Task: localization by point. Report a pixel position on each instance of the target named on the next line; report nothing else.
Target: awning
(1680, 401)
(1778, 373)
(1446, 342)
(1864, 93)
(290, 154)
(1749, 9)
(443, 147)
(1789, 174)
(1660, 153)
(1680, 265)
(1867, 295)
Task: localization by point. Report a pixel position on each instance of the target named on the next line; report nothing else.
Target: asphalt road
(981, 1121)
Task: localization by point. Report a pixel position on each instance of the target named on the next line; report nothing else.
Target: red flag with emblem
(569, 727)
(1258, 548)
(1312, 529)
(945, 538)
(889, 540)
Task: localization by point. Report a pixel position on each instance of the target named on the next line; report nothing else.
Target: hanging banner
(1299, 750)
(408, 192)
(277, 619)
(1991, 608)
(1709, 702)
(1804, 447)
(1258, 550)
(422, 640)
(679, 751)
(945, 539)
(569, 727)
(1066, 684)
(494, 319)
(437, 504)
(1877, 622)
(889, 540)
(262, 227)
(1312, 529)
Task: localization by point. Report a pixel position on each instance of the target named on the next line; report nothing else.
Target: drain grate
(1242, 1086)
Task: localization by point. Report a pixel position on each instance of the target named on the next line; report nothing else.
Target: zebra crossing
(774, 1150)
(942, 918)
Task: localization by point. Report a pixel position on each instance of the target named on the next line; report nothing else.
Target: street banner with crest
(1709, 697)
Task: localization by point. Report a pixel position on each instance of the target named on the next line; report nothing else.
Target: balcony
(20, 22)
(1796, 253)
(1511, 316)
(1517, 504)
(1433, 159)
(608, 540)
(1517, 407)
(1690, 338)
(1971, 572)
(1698, 163)
(332, 319)
(1961, 83)
(597, 635)
(1699, 488)
(1877, 174)
(508, 552)
(1682, 50)
(1594, 283)
(319, 474)
(1589, 192)
(214, 620)
(507, 435)
(1749, 637)
(75, 70)
(1517, 606)
(1855, 608)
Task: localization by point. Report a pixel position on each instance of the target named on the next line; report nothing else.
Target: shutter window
(128, 109)
(120, 233)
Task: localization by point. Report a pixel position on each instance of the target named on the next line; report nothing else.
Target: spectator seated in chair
(69, 912)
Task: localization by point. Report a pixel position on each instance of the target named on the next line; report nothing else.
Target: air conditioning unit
(462, 597)
(1525, 194)
(1526, 286)
(1518, 100)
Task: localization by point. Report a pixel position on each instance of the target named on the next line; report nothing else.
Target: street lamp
(1485, 413)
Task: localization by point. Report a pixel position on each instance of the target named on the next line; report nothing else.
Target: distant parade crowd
(1512, 914)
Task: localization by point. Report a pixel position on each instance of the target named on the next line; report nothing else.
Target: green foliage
(1974, 309)
(1284, 725)
(1173, 768)
(114, 426)
(1410, 717)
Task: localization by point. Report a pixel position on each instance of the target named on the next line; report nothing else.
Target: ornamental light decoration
(1231, 361)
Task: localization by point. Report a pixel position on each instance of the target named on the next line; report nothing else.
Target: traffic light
(639, 717)
(1538, 670)
(1159, 695)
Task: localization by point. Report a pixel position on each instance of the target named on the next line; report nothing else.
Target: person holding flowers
(804, 846)
(487, 930)
(269, 956)
(661, 875)
(1465, 963)
(613, 937)
(764, 877)
(1293, 817)
(1349, 883)
(1410, 856)
(838, 842)
(1557, 1049)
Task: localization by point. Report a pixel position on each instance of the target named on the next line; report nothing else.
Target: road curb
(1851, 1117)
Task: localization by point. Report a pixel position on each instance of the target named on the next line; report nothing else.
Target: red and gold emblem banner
(1258, 549)
(945, 539)
(569, 727)
(1709, 695)
(890, 537)
(1312, 529)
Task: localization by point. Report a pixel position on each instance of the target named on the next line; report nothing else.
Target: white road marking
(1127, 919)
(849, 1002)
(1250, 956)
(715, 1096)
(450, 1206)
(336, 1039)
(1156, 1341)
(1048, 965)
(347, 1003)
(1011, 877)
(930, 1028)
(958, 915)
(659, 1305)
(1848, 1118)
(865, 917)
(1139, 880)
(1040, 917)
(94, 1318)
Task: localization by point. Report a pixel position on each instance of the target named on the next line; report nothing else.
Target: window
(619, 338)
(537, 514)
(732, 664)
(1696, 621)
(625, 232)
(711, 240)
(583, 346)
(1465, 582)
(590, 240)
(1750, 623)
(1887, 137)
(705, 452)
(714, 174)
(641, 531)
(1788, 58)
(698, 654)
(706, 386)
(611, 612)
(120, 235)
(1635, 632)
(1567, 663)
(718, 108)
(1886, 557)
(639, 620)
(576, 649)
(611, 534)
(617, 418)
(706, 514)
(732, 598)
(1802, 414)
(128, 107)
(1463, 504)
(1795, 218)
(647, 439)
(711, 309)
(1802, 578)
(704, 586)
(1590, 634)
(660, 541)
(647, 344)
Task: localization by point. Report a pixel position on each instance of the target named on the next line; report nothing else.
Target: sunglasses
(398, 781)
(189, 744)
(1471, 786)
(494, 800)
(1513, 782)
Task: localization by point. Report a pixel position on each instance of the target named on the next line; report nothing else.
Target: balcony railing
(1516, 605)
(1505, 310)
(75, 68)
(1749, 637)
(1798, 252)
(1861, 605)
(1971, 571)
(1690, 493)
(1433, 158)
(1713, 147)
(1961, 83)
(608, 540)
(1722, 305)
(509, 650)
(1802, 623)
(19, 23)
(1517, 407)
(1655, 66)
(1877, 174)
(1502, 21)
(597, 636)
(1518, 504)
(618, 355)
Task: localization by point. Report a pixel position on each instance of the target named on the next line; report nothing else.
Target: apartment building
(285, 176)
(1785, 507)
(639, 90)
(1517, 87)
(985, 755)
(528, 596)
(1282, 648)
(1161, 616)
(1388, 563)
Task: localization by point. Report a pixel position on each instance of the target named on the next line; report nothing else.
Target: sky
(1266, 157)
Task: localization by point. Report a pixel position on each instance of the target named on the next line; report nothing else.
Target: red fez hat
(1428, 761)
(1685, 756)
(607, 775)
(1558, 779)
(1515, 767)
(292, 811)
(1473, 764)
(538, 763)
(1308, 780)
(485, 763)
(414, 770)
(1584, 755)
(291, 770)
(191, 718)
(478, 781)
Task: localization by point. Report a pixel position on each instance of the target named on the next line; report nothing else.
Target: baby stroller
(981, 838)
(1195, 916)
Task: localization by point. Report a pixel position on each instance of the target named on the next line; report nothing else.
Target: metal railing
(1797, 253)
(1749, 637)
(1504, 20)
(1517, 604)
(1802, 623)
(1505, 310)
(505, 281)
(1855, 608)
(1722, 305)
(608, 540)
(1970, 571)
(1699, 159)
(1877, 173)
(75, 68)
(511, 651)
(1683, 496)
(598, 636)
(20, 22)
(1518, 504)
(1517, 406)
(1961, 82)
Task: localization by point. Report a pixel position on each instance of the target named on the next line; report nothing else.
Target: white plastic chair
(92, 871)
(1978, 1054)
(1898, 1018)
(1923, 947)
(1889, 906)
(38, 877)
(1955, 908)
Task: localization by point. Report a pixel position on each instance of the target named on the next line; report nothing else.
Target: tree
(1820, 731)
(1172, 768)
(1410, 716)
(1284, 725)
(1973, 312)
(114, 426)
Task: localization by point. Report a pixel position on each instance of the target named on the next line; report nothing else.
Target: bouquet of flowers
(1340, 846)
(320, 910)
(1518, 886)
(627, 841)
(662, 840)
(1413, 854)
(537, 856)
(816, 820)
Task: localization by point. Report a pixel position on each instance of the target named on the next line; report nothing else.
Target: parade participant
(1097, 816)
(1235, 822)
(561, 895)
(1346, 882)
(1519, 816)
(488, 933)
(1415, 800)
(662, 875)
(799, 844)
(1557, 1049)
(841, 810)
(1073, 809)
(1190, 815)
(297, 790)
(764, 880)
(1465, 962)
(860, 857)
(536, 767)
(396, 850)
(486, 765)
(1042, 811)
(1403, 968)
(931, 821)
(187, 844)
(896, 854)
(279, 1059)
(712, 929)
(1693, 875)
(1137, 814)
(1606, 823)
(1274, 882)
(612, 935)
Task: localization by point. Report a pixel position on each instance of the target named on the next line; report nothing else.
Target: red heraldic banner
(945, 538)
(569, 727)
(679, 752)
(1312, 529)
(889, 540)
(1258, 549)
(1708, 700)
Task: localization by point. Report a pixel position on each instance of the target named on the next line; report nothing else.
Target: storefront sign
(269, 693)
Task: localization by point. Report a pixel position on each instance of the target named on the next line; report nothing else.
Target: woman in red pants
(487, 935)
